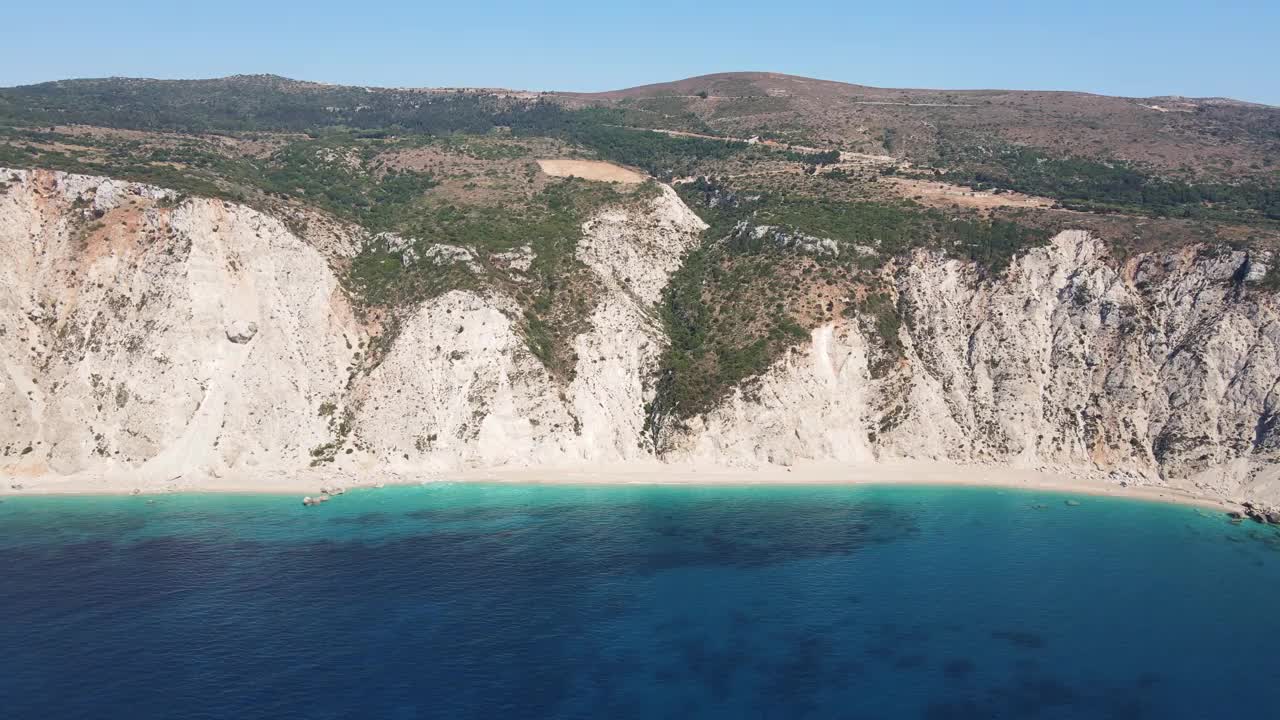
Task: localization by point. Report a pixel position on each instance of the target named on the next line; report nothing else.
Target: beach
(312, 480)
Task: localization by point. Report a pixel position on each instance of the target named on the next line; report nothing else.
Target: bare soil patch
(591, 170)
(939, 194)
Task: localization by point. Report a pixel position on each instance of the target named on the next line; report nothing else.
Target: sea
(546, 601)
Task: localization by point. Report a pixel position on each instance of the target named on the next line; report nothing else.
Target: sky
(1122, 47)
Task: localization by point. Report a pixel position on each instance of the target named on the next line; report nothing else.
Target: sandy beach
(310, 481)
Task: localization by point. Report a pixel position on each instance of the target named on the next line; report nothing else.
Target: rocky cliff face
(146, 336)
(139, 335)
(1161, 369)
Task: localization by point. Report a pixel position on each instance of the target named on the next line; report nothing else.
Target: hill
(726, 223)
(1183, 137)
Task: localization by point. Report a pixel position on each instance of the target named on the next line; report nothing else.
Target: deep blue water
(464, 601)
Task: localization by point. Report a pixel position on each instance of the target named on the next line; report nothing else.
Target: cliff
(147, 335)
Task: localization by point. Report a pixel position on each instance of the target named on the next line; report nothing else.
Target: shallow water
(466, 601)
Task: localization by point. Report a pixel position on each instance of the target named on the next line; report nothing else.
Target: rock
(331, 491)
(309, 501)
(241, 332)
(450, 254)
(16, 486)
(1255, 268)
(1273, 517)
(1235, 515)
(519, 259)
(784, 238)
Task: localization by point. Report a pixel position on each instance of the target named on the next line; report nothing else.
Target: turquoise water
(466, 601)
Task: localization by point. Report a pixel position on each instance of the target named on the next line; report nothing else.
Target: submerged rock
(309, 501)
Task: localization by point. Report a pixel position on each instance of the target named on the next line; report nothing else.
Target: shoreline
(920, 473)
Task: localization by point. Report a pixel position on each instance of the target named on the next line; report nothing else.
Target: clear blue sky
(1120, 47)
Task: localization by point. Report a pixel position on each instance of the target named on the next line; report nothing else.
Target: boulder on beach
(241, 331)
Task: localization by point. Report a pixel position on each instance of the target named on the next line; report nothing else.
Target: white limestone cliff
(1163, 370)
(148, 336)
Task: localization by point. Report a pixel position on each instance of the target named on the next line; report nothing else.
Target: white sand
(310, 481)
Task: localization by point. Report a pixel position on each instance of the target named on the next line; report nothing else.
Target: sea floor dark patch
(958, 668)
(1021, 638)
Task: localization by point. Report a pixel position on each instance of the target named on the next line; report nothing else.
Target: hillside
(740, 269)
(1186, 137)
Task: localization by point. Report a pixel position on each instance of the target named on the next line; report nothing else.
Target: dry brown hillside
(1188, 137)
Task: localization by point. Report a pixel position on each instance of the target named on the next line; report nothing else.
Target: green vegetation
(826, 157)
(784, 252)
(888, 228)
(603, 130)
(420, 246)
(744, 297)
(243, 103)
(340, 425)
(662, 156)
(557, 293)
(1081, 184)
(126, 160)
(268, 103)
(347, 180)
(880, 317)
(746, 106)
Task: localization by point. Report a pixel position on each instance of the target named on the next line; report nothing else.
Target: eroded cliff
(144, 335)
(1162, 368)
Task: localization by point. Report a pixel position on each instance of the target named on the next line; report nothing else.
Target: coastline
(311, 481)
